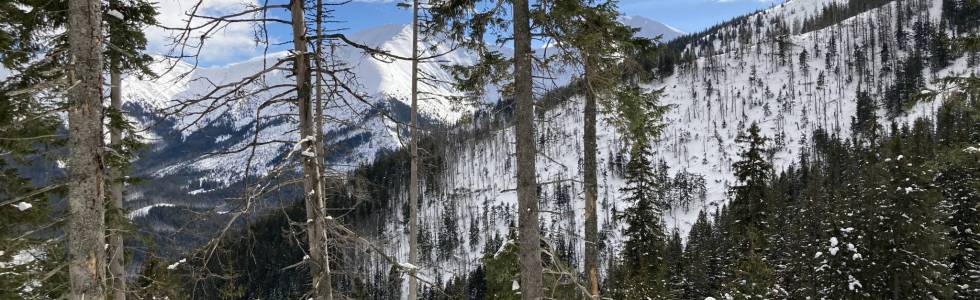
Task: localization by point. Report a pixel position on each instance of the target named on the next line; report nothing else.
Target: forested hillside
(817, 149)
(830, 102)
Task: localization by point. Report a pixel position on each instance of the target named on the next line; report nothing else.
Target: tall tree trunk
(311, 173)
(86, 218)
(117, 257)
(532, 287)
(319, 147)
(413, 183)
(591, 182)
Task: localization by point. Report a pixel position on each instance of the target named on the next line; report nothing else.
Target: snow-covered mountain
(650, 29)
(777, 67)
(770, 68)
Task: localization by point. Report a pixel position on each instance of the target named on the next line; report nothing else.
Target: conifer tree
(589, 35)
(468, 23)
(959, 181)
(642, 271)
(910, 240)
(753, 172)
(675, 265)
(125, 22)
(750, 212)
(29, 117)
(644, 249)
(697, 260)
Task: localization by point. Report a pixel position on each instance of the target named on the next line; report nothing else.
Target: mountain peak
(651, 29)
(378, 35)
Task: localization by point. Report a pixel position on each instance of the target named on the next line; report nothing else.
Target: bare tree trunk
(413, 183)
(591, 182)
(320, 155)
(311, 173)
(86, 218)
(532, 286)
(117, 252)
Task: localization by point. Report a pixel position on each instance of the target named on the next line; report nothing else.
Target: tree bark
(413, 183)
(311, 173)
(532, 287)
(591, 182)
(86, 218)
(117, 250)
(320, 155)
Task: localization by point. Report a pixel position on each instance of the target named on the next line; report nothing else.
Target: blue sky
(692, 15)
(686, 15)
(236, 42)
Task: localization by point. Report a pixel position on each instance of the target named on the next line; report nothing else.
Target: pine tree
(673, 258)
(125, 22)
(910, 240)
(959, 181)
(753, 172)
(697, 260)
(641, 270)
(643, 257)
(865, 121)
(749, 209)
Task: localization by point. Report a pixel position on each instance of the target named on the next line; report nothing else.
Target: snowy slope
(651, 29)
(713, 100)
(382, 81)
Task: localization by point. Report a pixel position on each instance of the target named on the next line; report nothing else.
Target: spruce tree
(673, 258)
(959, 180)
(697, 260)
(645, 246)
(753, 277)
(642, 270)
(910, 239)
(753, 172)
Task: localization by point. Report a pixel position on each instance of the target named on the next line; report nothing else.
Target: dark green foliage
(753, 171)
(448, 234)
(156, 281)
(126, 38)
(908, 82)
(698, 264)
(255, 262)
(964, 15)
(501, 277)
(865, 121)
(751, 212)
(960, 185)
(835, 12)
(641, 269)
(675, 265)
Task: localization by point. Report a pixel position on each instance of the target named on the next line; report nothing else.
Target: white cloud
(233, 42)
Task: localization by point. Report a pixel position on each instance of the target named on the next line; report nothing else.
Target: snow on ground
(143, 211)
(712, 102)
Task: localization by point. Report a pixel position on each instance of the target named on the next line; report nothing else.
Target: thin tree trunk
(591, 182)
(86, 218)
(117, 271)
(319, 146)
(532, 286)
(320, 155)
(311, 173)
(413, 183)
